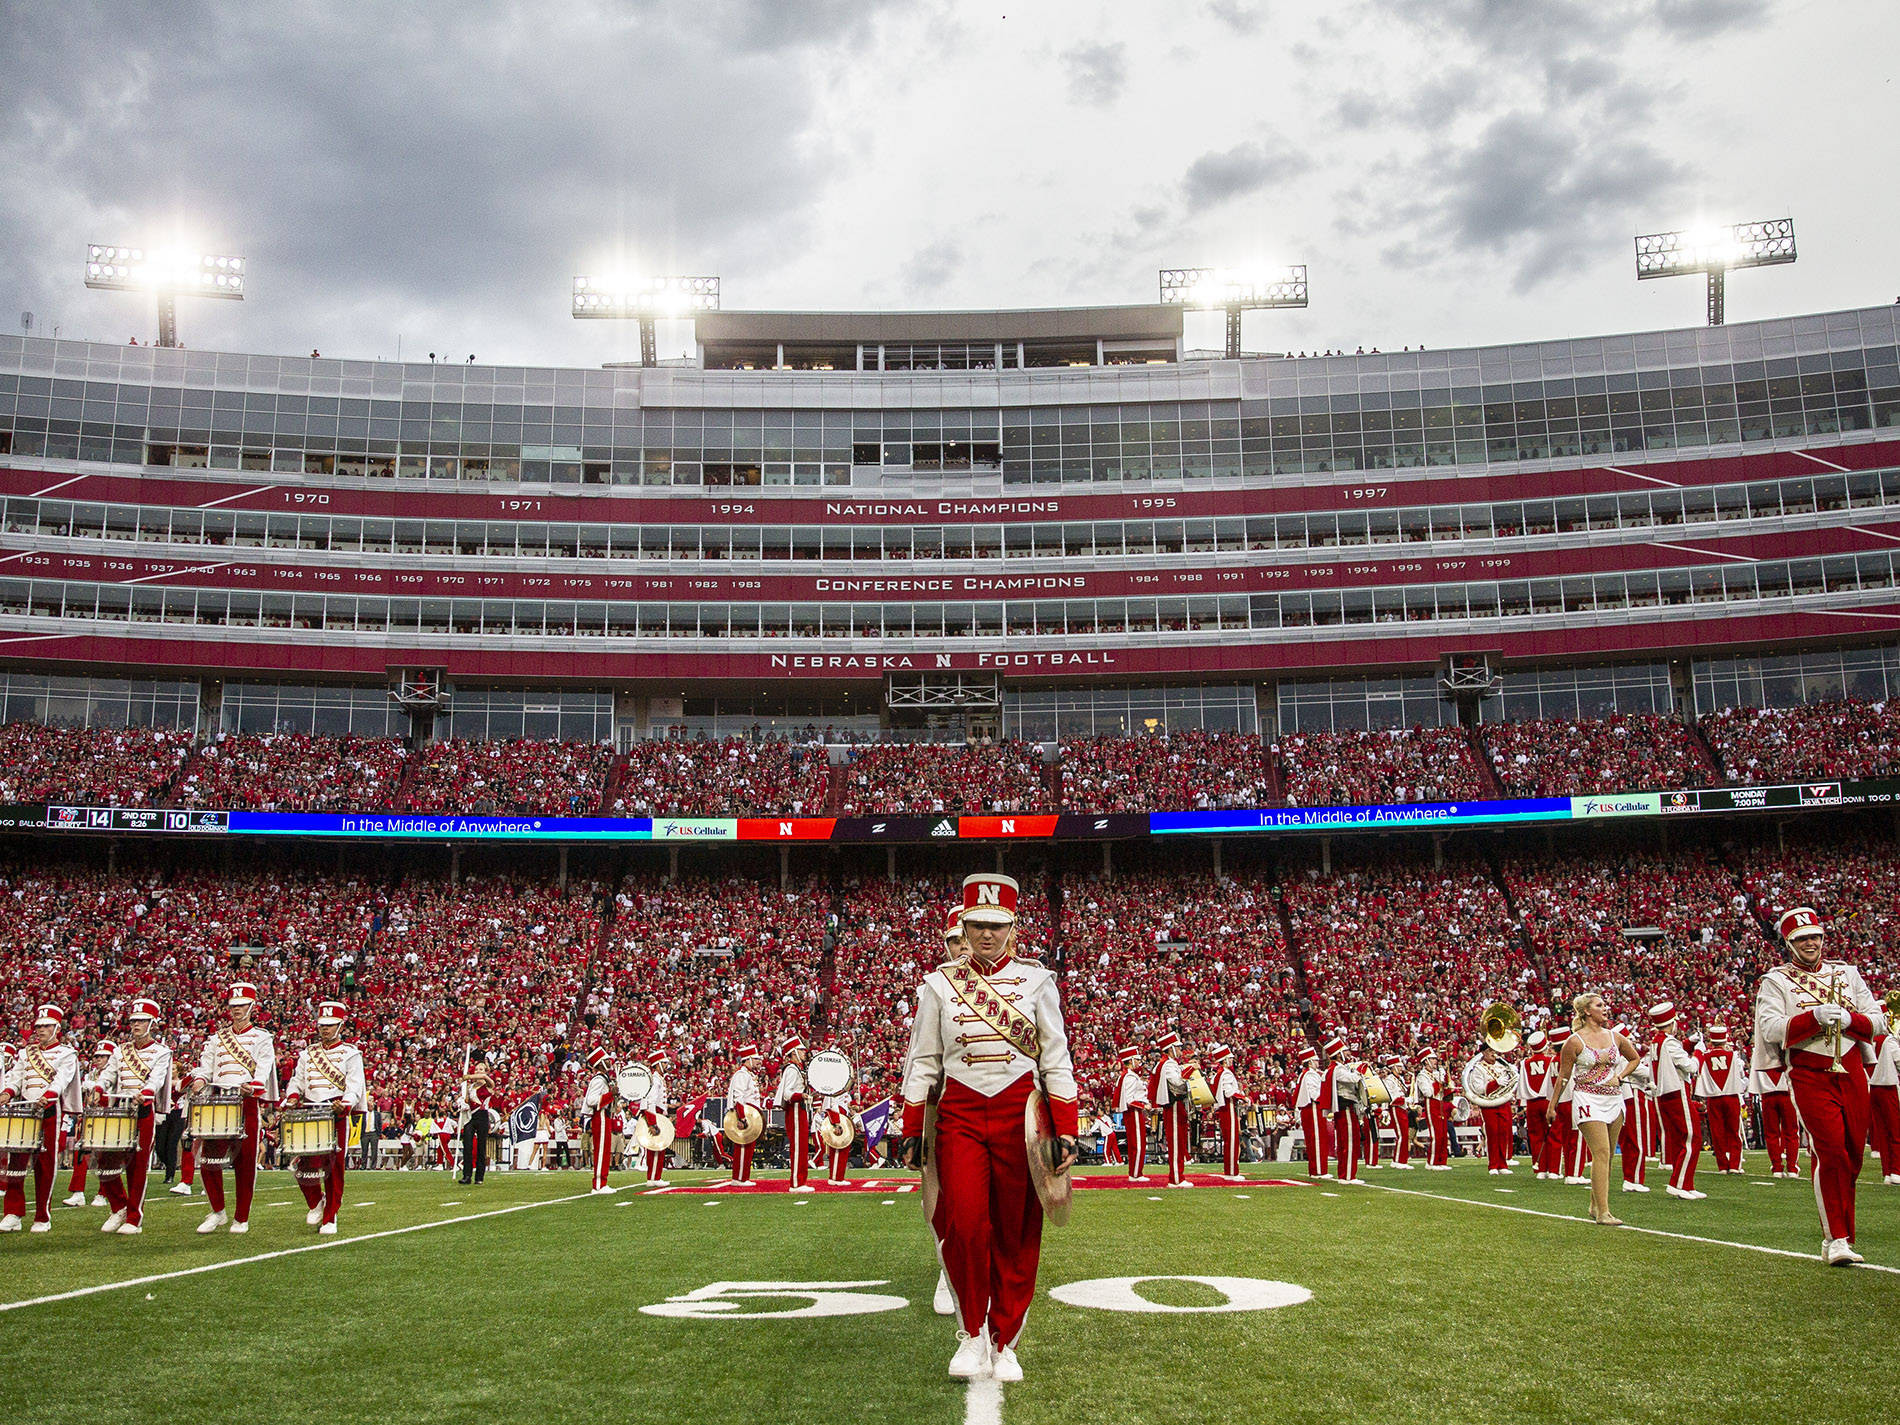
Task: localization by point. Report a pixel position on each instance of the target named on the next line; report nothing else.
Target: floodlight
(167, 273)
(1715, 251)
(1233, 290)
(644, 300)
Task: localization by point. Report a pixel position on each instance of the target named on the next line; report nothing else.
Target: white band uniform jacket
(1784, 997)
(309, 1084)
(744, 1088)
(224, 1070)
(1132, 1092)
(30, 1084)
(950, 1041)
(121, 1077)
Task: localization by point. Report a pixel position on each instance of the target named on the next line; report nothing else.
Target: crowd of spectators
(704, 963)
(1398, 952)
(510, 777)
(1800, 744)
(1385, 765)
(1852, 880)
(1203, 955)
(732, 777)
(1178, 771)
(1642, 926)
(1572, 757)
(129, 767)
(293, 771)
(920, 777)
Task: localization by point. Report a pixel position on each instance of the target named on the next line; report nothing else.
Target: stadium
(598, 748)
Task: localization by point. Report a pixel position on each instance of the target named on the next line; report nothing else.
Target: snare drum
(217, 1122)
(22, 1132)
(829, 1073)
(110, 1134)
(309, 1131)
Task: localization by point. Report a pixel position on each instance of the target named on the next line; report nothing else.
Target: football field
(1422, 1297)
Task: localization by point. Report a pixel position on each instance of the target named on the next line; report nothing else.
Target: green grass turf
(1422, 1310)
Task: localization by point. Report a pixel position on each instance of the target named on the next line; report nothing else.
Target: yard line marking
(983, 1403)
(456, 1203)
(283, 1252)
(1646, 1231)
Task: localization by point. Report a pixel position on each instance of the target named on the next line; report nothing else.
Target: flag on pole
(686, 1121)
(875, 1119)
(523, 1122)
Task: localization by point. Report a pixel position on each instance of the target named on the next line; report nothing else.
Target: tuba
(1498, 1026)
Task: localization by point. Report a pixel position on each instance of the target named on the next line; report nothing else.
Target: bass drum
(829, 1073)
(634, 1082)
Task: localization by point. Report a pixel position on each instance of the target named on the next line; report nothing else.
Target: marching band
(989, 1048)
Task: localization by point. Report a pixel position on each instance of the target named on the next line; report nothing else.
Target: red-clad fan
(1721, 1075)
(1227, 1101)
(46, 1075)
(140, 1072)
(1816, 1016)
(1131, 1102)
(1168, 1091)
(987, 1029)
(1315, 1118)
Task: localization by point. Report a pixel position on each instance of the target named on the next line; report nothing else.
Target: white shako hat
(332, 1011)
(989, 897)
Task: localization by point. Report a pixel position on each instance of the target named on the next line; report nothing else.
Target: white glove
(1831, 1016)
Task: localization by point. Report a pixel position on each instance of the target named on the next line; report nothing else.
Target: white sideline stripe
(1814, 1257)
(983, 1403)
(284, 1252)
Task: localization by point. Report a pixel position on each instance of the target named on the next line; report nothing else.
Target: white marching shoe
(41, 1224)
(1839, 1252)
(328, 1229)
(179, 1189)
(972, 1360)
(943, 1303)
(1182, 1184)
(114, 1222)
(10, 1223)
(1495, 1172)
(213, 1221)
(1006, 1367)
(1687, 1194)
(238, 1229)
(591, 1192)
(313, 1216)
(130, 1229)
(99, 1200)
(1892, 1179)
(73, 1199)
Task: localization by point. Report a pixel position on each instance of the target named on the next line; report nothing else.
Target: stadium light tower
(1233, 291)
(165, 272)
(645, 300)
(1716, 251)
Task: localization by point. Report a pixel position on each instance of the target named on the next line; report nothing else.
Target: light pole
(1233, 291)
(644, 300)
(166, 274)
(1715, 251)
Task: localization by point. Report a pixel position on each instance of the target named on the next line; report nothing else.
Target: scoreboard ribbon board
(1041, 826)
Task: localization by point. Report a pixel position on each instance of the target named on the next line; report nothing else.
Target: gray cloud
(1542, 196)
(931, 268)
(1097, 73)
(1699, 19)
(1241, 19)
(1215, 178)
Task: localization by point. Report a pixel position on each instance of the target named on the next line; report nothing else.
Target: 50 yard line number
(725, 1301)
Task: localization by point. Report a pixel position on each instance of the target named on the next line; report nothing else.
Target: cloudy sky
(1453, 171)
